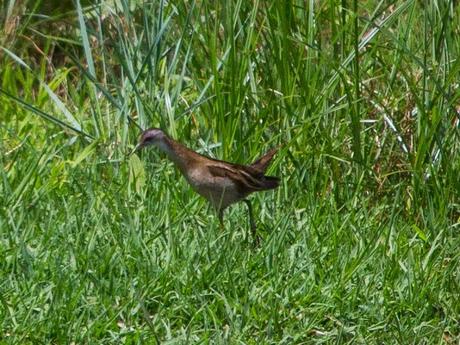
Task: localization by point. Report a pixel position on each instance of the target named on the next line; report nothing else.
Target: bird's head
(151, 136)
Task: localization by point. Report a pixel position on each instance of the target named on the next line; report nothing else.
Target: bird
(221, 183)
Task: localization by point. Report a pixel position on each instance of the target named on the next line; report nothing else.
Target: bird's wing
(245, 178)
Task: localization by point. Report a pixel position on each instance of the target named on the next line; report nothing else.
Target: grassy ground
(360, 244)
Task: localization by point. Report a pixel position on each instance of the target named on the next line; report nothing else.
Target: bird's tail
(263, 162)
(270, 182)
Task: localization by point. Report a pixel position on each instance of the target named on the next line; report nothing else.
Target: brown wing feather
(247, 179)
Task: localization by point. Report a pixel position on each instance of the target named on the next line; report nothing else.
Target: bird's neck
(181, 155)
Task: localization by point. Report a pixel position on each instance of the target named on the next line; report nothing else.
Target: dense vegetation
(360, 244)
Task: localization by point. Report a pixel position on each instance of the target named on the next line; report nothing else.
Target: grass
(359, 243)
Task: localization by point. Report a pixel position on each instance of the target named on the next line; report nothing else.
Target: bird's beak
(137, 148)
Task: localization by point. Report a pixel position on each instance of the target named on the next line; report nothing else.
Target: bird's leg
(252, 223)
(221, 217)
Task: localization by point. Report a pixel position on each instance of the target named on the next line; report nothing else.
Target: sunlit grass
(359, 243)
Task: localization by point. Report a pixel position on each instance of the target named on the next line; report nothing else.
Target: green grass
(360, 244)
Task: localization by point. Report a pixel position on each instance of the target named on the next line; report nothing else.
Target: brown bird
(221, 183)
